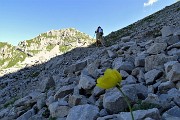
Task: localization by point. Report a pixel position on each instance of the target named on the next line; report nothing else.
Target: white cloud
(150, 2)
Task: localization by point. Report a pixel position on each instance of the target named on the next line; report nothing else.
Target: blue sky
(25, 19)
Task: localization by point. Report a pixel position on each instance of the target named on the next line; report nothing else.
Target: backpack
(101, 32)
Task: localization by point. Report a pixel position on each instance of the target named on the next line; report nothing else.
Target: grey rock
(174, 51)
(111, 54)
(173, 93)
(157, 48)
(63, 91)
(152, 75)
(47, 83)
(86, 82)
(136, 71)
(57, 110)
(41, 102)
(168, 65)
(4, 112)
(124, 74)
(172, 114)
(83, 112)
(74, 100)
(112, 100)
(26, 115)
(75, 67)
(141, 77)
(50, 100)
(139, 61)
(172, 39)
(174, 74)
(178, 85)
(126, 39)
(103, 112)
(131, 92)
(99, 102)
(126, 66)
(152, 98)
(140, 114)
(165, 86)
(157, 61)
(97, 91)
(167, 31)
(117, 63)
(150, 89)
(176, 45)
(129, 80)
(108, 117)
(92, 68)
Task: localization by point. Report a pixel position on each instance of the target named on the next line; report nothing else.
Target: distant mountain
(51, 43)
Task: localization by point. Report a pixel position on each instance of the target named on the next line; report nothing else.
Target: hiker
(99, 36)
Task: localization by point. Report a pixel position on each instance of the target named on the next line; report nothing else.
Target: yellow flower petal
(117, 74)
(110, 79)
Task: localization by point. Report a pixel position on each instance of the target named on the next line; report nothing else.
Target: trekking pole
(94, 35)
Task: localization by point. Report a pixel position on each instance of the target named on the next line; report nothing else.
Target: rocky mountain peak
(52, 43)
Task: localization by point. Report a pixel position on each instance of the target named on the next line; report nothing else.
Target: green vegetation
(33, 51)
(31, 41)
(17, 56)
(35, 74)
(144, 106)
(178, 9)
(64, 48)
(50, 47)
(3, 44)
(47, 36)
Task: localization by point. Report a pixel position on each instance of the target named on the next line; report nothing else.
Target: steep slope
(150, 26)
(65, 86)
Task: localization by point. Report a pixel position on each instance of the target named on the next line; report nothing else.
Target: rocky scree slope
(149, 27)
(64, 87)
(31, 52)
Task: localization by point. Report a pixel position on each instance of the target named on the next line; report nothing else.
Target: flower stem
(127, 101)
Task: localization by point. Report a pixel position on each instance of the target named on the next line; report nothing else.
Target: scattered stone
(47, 83)
(63, 91)
(140, 114)
(112, 100)
(57, 110)
(172, 114)
(167, 31)
(26, 115)
(126, 39)
(111, 54)
(174, 74)
(83, 112)
(152, 75)
(157, 48)
(74, 100)
(86, 82)
(139, 61)
(165, 86)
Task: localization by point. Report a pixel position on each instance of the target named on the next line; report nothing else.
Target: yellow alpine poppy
(110, 79)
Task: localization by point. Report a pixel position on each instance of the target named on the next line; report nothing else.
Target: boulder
(83, 112)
